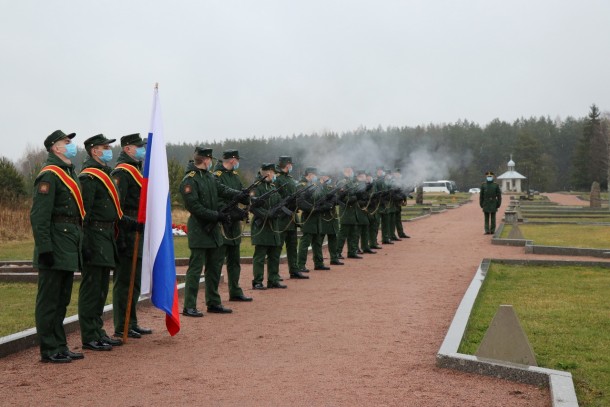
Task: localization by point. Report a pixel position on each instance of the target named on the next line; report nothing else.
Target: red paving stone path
(362, 334)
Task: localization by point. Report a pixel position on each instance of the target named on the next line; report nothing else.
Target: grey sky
(234, 69)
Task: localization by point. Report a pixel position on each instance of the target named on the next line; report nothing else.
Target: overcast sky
(235, 69)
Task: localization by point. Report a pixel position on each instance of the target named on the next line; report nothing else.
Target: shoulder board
(218, 173)
(235, 172)
(191, 174)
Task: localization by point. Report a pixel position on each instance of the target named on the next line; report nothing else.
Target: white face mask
(490, 179)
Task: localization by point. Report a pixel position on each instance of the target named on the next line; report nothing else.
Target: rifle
(259, 200)
(334, 196)
(290, 199)
(232, 205)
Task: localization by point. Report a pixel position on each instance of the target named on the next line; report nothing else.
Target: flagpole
(132, 280)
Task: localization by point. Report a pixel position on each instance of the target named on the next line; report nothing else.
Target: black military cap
(230, 154)
(285, 159)
(55, 137)
(379, 167)
(361, 172)
(97, 140)
(133, 139)
(311, 170)
(489, 173)
(268, 166)
(204, 152)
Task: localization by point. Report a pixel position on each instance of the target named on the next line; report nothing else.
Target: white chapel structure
(511, 179)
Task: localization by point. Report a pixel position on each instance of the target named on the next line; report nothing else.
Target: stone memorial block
(595, 200)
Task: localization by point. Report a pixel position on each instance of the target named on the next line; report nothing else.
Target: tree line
(554, 155)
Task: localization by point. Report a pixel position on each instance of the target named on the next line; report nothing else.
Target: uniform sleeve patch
(187, 189)
(43, 187)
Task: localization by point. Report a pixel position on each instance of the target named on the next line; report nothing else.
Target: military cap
(285, 159)
(55, 137)
(379, 167)
(268, 166)
(489, 173)
(133, 139)
(97, 140)
(230, 154)
(396, 169)
(388, 170)
(311, 170)
(204, 152)
(360, 172)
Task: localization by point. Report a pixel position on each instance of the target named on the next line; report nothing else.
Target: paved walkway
(362, 334)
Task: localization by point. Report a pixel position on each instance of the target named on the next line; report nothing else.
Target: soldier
(329, 222)
(490, 199)
(56, 218)
(200, 192)
(362, 209)
(311, 225)
(387, 218)
(349, 217)
(128, 178)
(265, 235)
(378, 208)
(370, 232)
(101, 200)
(400, 201)
(226, 174)
(286, 223)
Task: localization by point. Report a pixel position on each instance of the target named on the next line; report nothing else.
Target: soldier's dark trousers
(52, 300)
(392, 225)
(386, 233)
(332, 247)
(398, 222)
(315, 241)
(272, 254)
(120, 292)
(289, 237)
(198, 259)
(373, 229)
(92, 296)
(490, 222)
(232, 255)
(349, 234)
(364, 237)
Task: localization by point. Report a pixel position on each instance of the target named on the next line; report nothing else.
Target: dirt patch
(362, 334)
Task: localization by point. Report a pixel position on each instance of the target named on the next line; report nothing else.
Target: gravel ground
(362, 334)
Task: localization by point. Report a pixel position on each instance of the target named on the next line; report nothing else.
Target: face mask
(314, 179)
(274, 178)
(209, 166)
(140, 153)
(490, 179)
(327, 182)
(289, 169)
(70, 150)
(236, 166)
(106, 156)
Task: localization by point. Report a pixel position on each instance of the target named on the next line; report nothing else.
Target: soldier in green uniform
(362, 207)
(370, 231)
(226, 174)
(400, 201)
(349, 217)
(387, 219)
(265, 234)
(377, 208)
(200, 192)
(329, 221)
(490, 199)
(99, 251)
(128, 178)
(311, 225)
(286, 223)
(56, 218)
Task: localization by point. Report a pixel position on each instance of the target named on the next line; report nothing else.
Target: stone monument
(595, 200)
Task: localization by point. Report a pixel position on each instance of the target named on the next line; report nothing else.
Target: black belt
(101, 225)
(66, 219)
(132, 213)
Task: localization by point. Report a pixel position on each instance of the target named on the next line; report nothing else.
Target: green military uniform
(377, 208)
(56, 225)
(365, 208)
(399, 202)
(288, 231)
(350, 219)
(100, 253)
(266, 237)
(329, 226)
(490, 199)
(232, 234)
(386, 209)
(127, 177)
(200, 192)
(311, 225)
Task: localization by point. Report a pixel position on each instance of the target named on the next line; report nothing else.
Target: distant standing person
(56, 217)
(490, 200)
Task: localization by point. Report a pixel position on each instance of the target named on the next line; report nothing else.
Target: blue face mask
(236, 166)
(106, 156)
(140, 153)
(289, 169)
(314, 179)
(274, 178)
(70, 150)
(490, 179)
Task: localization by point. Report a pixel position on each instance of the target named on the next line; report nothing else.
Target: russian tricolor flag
(158, 260)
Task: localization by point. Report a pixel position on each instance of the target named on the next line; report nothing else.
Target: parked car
(474, 190)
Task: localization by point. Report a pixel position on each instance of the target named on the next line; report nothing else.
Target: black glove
(140, 227)
(87, 254)
(222, 217)
(244, 197)
(46, 259)
(238, 214)
(121, 247)
(129, 224)
(273, 213)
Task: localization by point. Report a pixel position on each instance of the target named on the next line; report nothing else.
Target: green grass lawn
(565, 312)
(586, 236)
(17, 302)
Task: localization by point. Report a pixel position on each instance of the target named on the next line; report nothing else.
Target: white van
(441, 186)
